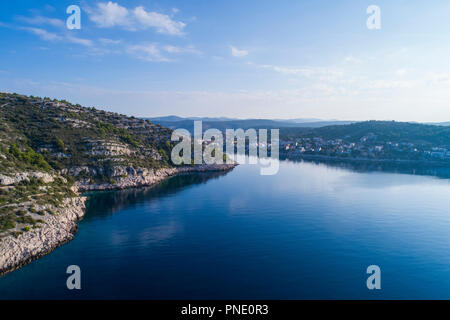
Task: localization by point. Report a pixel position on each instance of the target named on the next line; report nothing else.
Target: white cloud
(352, 59)
(163, 23)
(172, 49)
(111, 14)
(424, 103)
(175, 49)
(84, 42)
(156, 53)
(321, 73)
(235, 52)
(50, 36)
(40, 20)
(43, 34)
(149, 52)
(107, 41)
(387, 84)
(401, 72)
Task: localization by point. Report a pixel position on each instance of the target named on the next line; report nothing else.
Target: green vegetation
(29, 157)
(386, 140)
(53, 137)
(7, 221)
(397, 132)
(61, 145)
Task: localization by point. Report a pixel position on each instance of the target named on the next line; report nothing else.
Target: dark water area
(308, 232)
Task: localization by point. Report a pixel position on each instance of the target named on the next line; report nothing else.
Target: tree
(61, 145)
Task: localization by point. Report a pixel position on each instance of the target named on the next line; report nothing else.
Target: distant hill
(176, 118)
(300, 120)
(445, 124)
(399, 132)
(174, 122)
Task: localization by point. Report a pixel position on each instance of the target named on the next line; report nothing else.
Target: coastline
(58, 230)
(61, 228)
(360, 160)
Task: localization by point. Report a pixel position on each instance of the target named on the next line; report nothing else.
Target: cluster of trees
(30, 157)
(397, 132)
(48, 130)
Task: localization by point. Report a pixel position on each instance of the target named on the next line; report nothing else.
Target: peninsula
(51, 151)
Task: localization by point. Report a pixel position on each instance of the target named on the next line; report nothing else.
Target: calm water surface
(308, 232)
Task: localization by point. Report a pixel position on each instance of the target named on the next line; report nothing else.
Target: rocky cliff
(60, 227)
(52, 150)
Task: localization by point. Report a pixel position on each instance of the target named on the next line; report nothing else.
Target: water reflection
(436, 170)
(247, 236)
(103, 203)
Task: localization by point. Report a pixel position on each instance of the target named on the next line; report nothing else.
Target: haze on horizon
(265, 59)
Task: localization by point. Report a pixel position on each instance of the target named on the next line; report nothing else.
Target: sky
(240, 59)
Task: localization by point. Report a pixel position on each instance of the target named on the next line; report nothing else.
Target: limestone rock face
(21, 176)
(128, 177)
(59, 229)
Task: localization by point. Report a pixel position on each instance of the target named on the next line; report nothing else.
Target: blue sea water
(308, 232)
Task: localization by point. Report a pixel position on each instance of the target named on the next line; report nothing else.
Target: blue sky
(243, 59)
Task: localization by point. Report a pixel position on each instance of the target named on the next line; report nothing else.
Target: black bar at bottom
(223, 309)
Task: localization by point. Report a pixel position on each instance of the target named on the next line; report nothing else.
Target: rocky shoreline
(61, 227)
(133, 178)
(58, 229)
(285, 156)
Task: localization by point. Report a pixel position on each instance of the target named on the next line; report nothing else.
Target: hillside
(222, 124)
(51, 150)
(381, 140)
(69, 135)
(398, 132)
(46, 146)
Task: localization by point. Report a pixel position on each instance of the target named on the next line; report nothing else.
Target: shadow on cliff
(104, 203)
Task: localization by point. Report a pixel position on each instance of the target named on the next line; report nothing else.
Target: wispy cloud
(163, 23)
(41, 20)
(107, 41)
(352, 59)
(235, 52)
(111, 14)
(43, 34)
(321, 73)
(189, 49)
(150, 52)
(401, 72)
(156, 53)
(50, 36)
(153, 52)
(81, 41)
